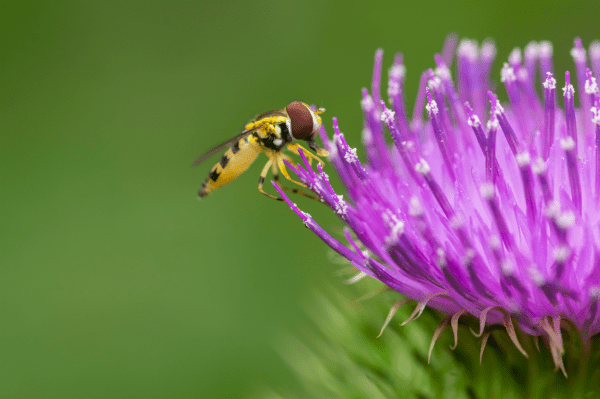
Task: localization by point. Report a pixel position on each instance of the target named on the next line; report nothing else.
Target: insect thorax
(274, 136)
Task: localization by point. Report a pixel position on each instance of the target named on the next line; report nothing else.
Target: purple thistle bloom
(498, 220)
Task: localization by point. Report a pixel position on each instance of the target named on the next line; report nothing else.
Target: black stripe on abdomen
(235, 147)
(214, 175)
(224, 161)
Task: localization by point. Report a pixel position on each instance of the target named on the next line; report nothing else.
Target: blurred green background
(114, 280)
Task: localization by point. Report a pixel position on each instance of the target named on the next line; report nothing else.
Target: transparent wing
(218, 148)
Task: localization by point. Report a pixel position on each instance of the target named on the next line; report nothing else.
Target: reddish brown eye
(301, 118)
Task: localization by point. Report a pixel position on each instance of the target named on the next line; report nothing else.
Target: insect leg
(283, 170)
(295, 147)
(261, 180)
(313, 146)
(292, 190)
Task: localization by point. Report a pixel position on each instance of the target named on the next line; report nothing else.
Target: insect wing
(271, 113)
(218, 148)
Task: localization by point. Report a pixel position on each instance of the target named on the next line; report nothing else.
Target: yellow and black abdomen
(233, 163)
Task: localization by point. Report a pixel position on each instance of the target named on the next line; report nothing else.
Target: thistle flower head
(484, 208)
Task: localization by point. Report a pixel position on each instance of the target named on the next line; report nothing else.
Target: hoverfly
(270, 132)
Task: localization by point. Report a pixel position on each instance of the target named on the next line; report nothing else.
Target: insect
(270, 132)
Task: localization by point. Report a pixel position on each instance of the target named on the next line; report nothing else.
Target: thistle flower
(497, 220)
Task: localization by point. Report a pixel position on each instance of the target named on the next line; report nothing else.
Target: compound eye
(302, 120)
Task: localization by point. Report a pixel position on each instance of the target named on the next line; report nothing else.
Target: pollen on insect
(265, 134)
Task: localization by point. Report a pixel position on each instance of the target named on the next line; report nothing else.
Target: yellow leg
(322, 152)
(292, 190)
(295, 147)
(261, 181)
(283, 170)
